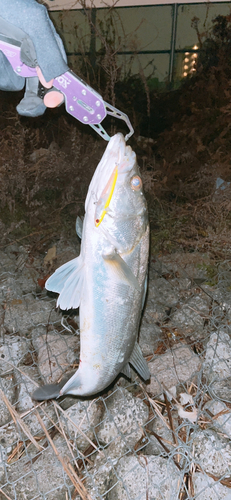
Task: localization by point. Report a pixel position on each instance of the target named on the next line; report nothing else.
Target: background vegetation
(182, 140)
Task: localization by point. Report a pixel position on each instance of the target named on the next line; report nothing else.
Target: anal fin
(126, 371)
(138, 362)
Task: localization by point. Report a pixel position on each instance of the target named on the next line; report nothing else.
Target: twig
(159, 439)
(61, 431)
(22, 238)
(225, 482)
(65, 437)
(155, 407)
(24, 414)
(170, 419)
(5, 495)
(18, 452)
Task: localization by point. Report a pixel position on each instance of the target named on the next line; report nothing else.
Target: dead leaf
(50, 256)
(186, 398)
(190, 415)
(42, 281)
(15, 302)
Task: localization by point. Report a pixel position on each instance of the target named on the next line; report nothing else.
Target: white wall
(145, 28)
(77, 4)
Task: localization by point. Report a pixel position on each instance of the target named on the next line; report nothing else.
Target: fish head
(116, 195)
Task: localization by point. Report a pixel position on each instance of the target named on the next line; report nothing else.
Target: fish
(108, 280)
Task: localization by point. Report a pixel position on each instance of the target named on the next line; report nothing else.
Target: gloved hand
(27, 19)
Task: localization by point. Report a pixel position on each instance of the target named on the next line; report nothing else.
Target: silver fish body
(107, 280)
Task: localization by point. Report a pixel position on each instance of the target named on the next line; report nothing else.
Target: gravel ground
(167, 439)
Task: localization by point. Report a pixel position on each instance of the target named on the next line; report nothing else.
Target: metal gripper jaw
(117, 114)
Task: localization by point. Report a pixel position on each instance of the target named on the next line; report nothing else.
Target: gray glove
(28, 22)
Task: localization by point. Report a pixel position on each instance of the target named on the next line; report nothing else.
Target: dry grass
(46, 164)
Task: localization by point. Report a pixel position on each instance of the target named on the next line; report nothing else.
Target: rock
(9, 439)
(9, 289)
(135, 476)
(13, 349)
(27, 279)
(47, 416)
(2, 460)
(98, 481)
(26, 386)
(217, 362)
(44, 479)
(66, 254)
(223, 422)
(181, 284)
(149, 337)
(155, 313)
(205, 488)
(55, 353)
(7, 385)
(27, 312)
(7, 264)
(189, 264)
(86, 416)
(161, 296)
(221, 389)
(157, 425)
(212, 452)
(161, 292)
(190, 318)
(172, 367)
(101, 476)
(124, 414)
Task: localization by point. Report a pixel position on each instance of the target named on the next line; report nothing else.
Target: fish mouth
(113, 157)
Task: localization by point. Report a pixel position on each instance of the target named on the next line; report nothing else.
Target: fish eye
(136, 183)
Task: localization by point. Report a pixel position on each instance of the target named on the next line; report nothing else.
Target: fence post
(173, 44)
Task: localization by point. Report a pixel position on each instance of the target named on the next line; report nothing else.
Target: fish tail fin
(51, 391)
(67, 280)
(45, 392)
(73, 385)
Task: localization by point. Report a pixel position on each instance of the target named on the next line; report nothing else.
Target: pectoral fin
(120, 270)
(138, 362)
(67, 280)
